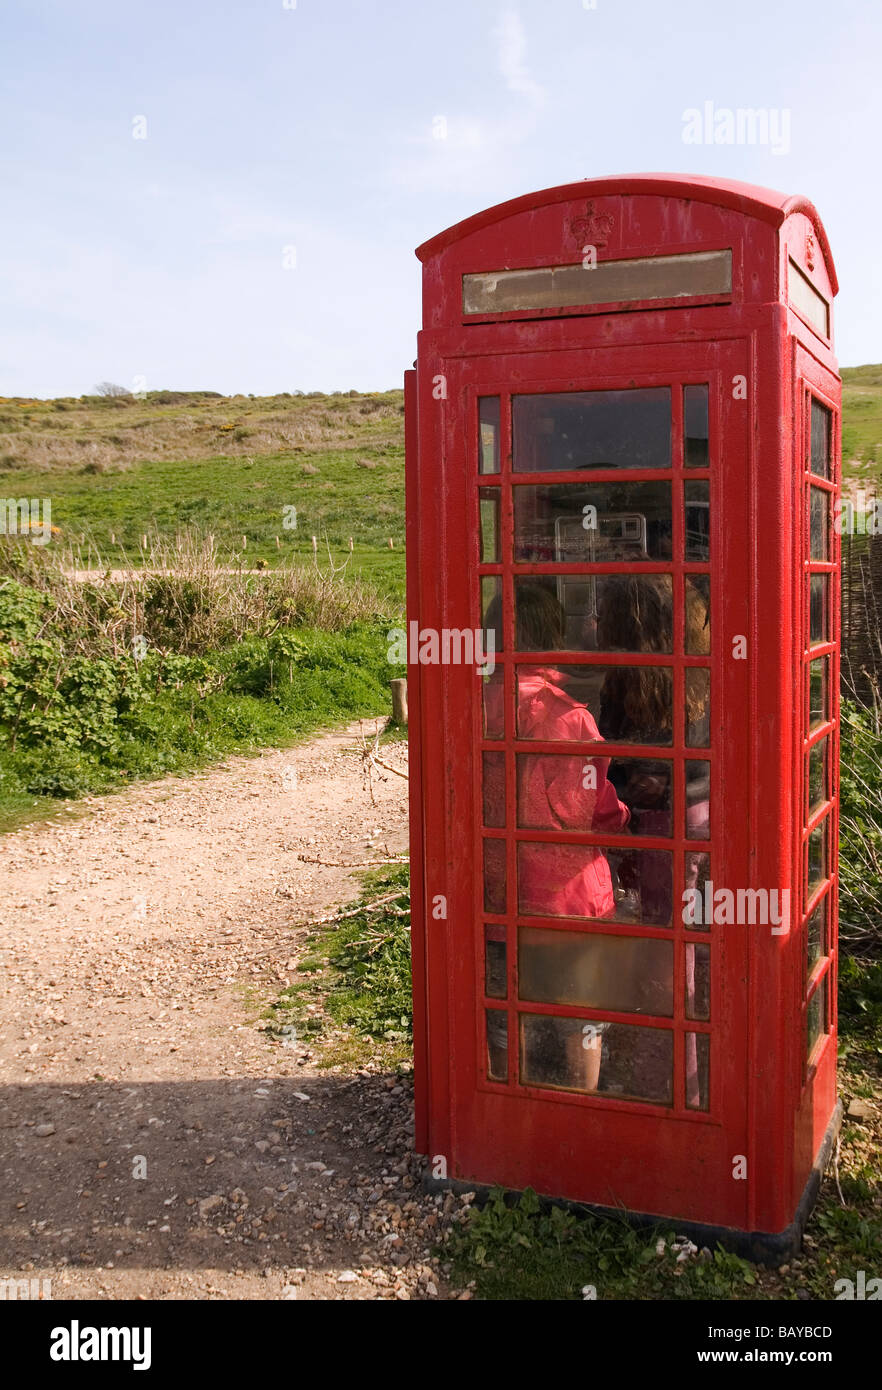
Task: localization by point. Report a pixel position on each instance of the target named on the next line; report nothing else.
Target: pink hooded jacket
(561, 880)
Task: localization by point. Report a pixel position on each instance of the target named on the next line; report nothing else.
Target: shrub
(80, 709)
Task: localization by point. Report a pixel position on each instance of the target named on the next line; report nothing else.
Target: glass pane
(496, 1021)
(816, 1017)
(816, 780)
(697, 982)
(697, 626)
(560, 792)
(583, 613)
(819, 608)
(817, 856)
(816, 935)
(697, 707)
(677, 277)
(488, 433)
(592, 522)
(592, 429)
(697, 800)
(695, 426)
(620, 885)
(565, 702)
(494, 713)
(488, 501)
(697, 908)
(819, 524)
(494, 876)
(494, 789)
(594, 794)
(807, 301)
(818, 683)
(491, 613)
(697, 1071)
(495, 962)
(646, 787)
(621, 974)
(820, 437)
(697, 527)
(614, 1058)
(564, 1053)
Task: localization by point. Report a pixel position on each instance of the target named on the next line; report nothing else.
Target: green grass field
(229, 467)
(862, 424)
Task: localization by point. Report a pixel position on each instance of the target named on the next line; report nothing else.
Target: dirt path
(153, 1142)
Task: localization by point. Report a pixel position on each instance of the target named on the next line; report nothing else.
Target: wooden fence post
(399, 700)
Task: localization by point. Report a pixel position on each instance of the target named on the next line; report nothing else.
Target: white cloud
(512, 54)
(473, 144)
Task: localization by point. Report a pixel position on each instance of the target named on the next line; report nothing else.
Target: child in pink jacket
(563, 792)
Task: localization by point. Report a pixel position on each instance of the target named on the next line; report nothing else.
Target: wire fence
(861, 616)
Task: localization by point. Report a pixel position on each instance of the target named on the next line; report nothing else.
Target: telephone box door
(586, 786)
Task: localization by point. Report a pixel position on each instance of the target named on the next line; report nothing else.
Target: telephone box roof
(763, 203)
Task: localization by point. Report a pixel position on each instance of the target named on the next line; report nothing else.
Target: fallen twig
(371, 760)
(356, 911)
(388, 766)
(358, 864)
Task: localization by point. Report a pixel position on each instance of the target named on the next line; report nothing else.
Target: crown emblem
(594, 229)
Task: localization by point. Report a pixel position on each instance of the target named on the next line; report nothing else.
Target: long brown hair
(539, 619)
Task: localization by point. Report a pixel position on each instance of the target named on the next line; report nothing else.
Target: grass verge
(353, 992)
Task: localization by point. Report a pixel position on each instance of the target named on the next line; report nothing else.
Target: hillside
(862, 424)
(120, 468)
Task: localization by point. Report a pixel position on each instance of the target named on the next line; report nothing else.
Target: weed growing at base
(524, 1249)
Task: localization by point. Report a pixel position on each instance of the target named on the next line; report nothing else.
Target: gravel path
(153, 1141)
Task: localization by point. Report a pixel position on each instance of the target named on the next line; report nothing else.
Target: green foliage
(527, 1249)
(845, 1239)
(22, 612)
(853, 1228)
(72, 723)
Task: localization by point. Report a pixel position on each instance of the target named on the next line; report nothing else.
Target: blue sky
(161, 261)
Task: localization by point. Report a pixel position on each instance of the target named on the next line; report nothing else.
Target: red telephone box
(622, 468)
